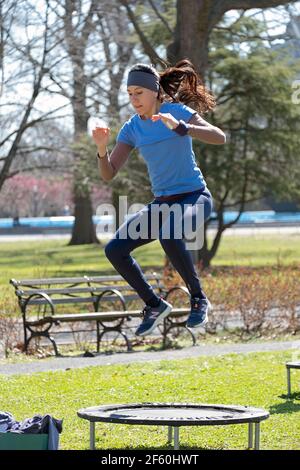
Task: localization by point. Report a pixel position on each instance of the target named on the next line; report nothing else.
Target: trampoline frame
(248, 415)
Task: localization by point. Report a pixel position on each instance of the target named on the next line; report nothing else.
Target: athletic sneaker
(199, 311)
(152, 317)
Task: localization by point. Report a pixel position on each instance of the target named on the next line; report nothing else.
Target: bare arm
(110, 164)
(204, 131)
(198, 128)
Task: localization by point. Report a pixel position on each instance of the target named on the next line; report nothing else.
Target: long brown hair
(181, 84)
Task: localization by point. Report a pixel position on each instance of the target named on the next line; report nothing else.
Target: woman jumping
(162, 130)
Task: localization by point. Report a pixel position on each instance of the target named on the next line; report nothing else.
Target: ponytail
(183, 84)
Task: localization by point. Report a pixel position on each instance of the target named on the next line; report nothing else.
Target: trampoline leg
(92, 435)
(170, 434)
(289, 391)
(257, 435)
(250, 436)
(176, 438)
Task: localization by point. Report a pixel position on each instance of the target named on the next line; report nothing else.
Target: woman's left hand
(167, 119)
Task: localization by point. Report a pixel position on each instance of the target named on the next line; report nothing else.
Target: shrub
(259, 298)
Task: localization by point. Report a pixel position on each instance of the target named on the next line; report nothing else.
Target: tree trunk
(195, 21)
(191, 34)
(83, 231)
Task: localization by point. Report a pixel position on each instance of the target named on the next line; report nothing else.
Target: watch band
(182, 128)
(99, 156)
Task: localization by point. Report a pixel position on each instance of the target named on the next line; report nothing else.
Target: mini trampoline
(175, 415)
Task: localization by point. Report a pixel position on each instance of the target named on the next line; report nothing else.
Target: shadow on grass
(287, 407)
(113, 352)
(293, 396)
(157, 448)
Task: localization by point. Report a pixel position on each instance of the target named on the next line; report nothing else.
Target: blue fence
(250, 217)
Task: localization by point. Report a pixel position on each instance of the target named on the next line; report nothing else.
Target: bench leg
(92, 435)
(128, 343)
(26, 344)
(57, 353)
(192, 335)
(99, 339)
(289, 388)
(165, 332)
(45, 335)
(170, 325)
(250, 436)
(100, 336)
(257, 436)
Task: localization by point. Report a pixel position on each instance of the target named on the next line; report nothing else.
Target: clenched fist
(101, 136)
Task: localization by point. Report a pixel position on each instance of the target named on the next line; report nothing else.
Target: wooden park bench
(105, 300)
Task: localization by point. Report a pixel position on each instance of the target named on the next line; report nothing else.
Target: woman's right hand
(101, 137)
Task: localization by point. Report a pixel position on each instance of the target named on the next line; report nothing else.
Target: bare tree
(24, 65)
(114, 26)
(94, 55)
(76, 35)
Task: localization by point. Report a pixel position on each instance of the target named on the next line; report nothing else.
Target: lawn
(252, 379)
(55, 258)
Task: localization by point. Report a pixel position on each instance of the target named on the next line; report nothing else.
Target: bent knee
(116, 248)
(110, 249)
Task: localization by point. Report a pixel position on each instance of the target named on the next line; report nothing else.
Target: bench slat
(78, 290)
(79, 280)
(113, 315)
(91, 299)
(78, 300)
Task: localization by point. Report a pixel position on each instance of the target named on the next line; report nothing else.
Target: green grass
(259, 250)
(53, 258)
(254, 379)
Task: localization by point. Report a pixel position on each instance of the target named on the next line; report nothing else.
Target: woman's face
(142, 99)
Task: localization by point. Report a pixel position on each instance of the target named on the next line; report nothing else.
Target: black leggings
(127, 238)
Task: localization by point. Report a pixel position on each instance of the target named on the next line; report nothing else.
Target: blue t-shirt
(169, 157)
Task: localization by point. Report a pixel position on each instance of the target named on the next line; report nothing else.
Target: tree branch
(36, 89)
(63, 91)
(88, 25)
(164, 21)
(248, 38)
(148, 49)
(37, 167)
(26, 124)
(251, 4)
(41, 147)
